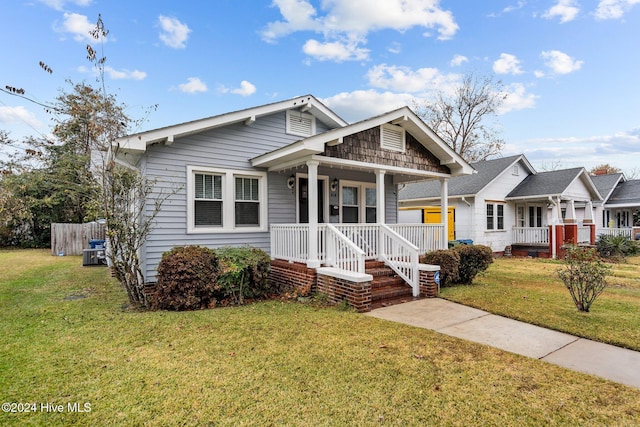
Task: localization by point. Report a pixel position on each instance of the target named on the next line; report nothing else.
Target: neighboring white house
(617, 213)
(508, 203)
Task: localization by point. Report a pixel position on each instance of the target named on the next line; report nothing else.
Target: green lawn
(68, 338)
(529, 290)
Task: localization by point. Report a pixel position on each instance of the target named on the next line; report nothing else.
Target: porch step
(387, 288)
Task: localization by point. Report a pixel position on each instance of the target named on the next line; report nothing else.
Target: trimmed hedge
(187, 279)
(474, 259)
(461, 264)
(245, 274)
(449, 262)
(194, 277)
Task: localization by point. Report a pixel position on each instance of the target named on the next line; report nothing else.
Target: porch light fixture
(334, 185)
(291, 182)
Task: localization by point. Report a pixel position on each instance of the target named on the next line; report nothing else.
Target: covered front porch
(344, 187)
(544, 235)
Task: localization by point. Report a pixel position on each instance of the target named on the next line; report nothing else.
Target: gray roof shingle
(546, 183)
(487, 170)
(606, 183)
(627, 193)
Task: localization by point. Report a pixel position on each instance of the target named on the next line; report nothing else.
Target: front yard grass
(529, 290)
(68, 337)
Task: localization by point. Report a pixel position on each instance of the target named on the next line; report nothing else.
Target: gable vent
(300, 123)
(392, 138)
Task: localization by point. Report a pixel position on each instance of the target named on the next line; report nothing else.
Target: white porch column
(588, 213)
(444, 211)
(380, 201)
(312, 166)
(570, 216)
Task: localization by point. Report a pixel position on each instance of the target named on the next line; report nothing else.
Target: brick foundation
(290, 277)
(357, 294)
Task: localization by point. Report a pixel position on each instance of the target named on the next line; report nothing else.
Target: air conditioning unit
(93, 257)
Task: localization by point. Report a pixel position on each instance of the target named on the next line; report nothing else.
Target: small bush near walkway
(584, 275)
(461, 264)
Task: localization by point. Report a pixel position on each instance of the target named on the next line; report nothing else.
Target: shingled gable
(138, 143)
(440, 158)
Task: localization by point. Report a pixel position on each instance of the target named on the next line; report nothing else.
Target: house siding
(229, 147)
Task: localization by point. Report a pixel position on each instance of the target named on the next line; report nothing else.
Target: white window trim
(228, 200)
(293, 113)
(362, 197)
(495, 217)
(394, 128)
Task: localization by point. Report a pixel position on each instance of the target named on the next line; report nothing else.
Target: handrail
(342, 252)
(427, 237)
(401, 255)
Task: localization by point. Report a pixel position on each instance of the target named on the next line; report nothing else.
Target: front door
(303, 200)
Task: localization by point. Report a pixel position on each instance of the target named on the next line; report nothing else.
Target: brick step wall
(386, 288)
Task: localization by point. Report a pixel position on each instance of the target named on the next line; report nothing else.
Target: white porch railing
(346, 246)
(531, 235)
(427, 237)
(584, 235)
(624, 231)
(342, 252)
(401, 255)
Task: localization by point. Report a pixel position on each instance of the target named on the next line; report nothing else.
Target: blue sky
(570, 67)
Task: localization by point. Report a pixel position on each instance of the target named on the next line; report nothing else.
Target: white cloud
(507, 64)
(517, 99)
(614, 9)
(335, 51)
(174, 33)
(352, 20)
(559, 62)
(405, 79)
(19, 114)
(361, 104)
(246, 89)
(395, 48)
(125, 74)
(79, 26)
(567, 10)
(193, 85)
(620, 149)
(59, 4)
(458, 60)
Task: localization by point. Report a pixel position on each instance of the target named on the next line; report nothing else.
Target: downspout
(465, 201)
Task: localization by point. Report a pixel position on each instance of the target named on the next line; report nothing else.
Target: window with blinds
(247, 207)
(208, 200)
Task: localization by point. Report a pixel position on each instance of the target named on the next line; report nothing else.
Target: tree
(460, 118)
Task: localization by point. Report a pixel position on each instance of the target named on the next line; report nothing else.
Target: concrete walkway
(579, 354)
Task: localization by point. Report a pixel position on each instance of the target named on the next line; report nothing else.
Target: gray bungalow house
(508, 205)
(294, 179)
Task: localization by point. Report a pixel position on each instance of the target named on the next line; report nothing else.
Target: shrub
(187, 279)
(473, 260)
(244, 274)
(583, 274)
(616, 248)
(449, 262)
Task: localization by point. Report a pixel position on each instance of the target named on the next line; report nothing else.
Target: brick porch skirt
(297, 277)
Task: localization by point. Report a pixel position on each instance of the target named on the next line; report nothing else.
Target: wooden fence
(71, 239)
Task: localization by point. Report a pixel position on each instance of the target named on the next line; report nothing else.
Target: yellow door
(431, 215)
